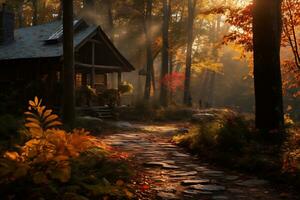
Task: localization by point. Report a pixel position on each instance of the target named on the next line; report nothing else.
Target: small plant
(125, 87)
(47, 155)
(85, 95)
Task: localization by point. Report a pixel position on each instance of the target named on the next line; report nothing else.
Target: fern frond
(32, 125)
(33, 120)
(53, 124)
(50, 118)
(32, 103)
(47, 113)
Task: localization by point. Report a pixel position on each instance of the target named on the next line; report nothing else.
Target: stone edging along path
(174, 174)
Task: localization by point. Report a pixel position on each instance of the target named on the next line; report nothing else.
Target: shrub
(143, 110)
(230, 133)
(50, 157)
(173, 113)
(47, 154)
(233, 134)
(125, 87)
(85, 95)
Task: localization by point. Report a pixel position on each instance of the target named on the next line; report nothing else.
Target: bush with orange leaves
(48, 153)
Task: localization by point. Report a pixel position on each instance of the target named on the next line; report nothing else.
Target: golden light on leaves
(49, 147)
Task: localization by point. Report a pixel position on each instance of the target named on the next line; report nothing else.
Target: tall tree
(60, 11)
(68, 64)
(267, 28)
(165, 53)
(191, 16)
(35, 12)
(148, 23)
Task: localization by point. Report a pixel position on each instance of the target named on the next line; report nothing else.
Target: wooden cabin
(36, 54)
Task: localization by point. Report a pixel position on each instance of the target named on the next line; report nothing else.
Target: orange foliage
(48, 153)
(241, 34)
(174, 81)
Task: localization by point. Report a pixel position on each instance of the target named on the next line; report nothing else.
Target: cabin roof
(31, 43)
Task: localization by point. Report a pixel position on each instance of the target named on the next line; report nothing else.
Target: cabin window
(100, 79)
(78, 80)
(100, 82)
(58, 76)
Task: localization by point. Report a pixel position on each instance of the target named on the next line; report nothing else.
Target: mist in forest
(218, 79)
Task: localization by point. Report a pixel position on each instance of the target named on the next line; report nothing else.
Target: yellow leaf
(128, 194)
(28, 113)
(40, 110)
(55, 123)
(61, 158)
(120, 182)
(36, 132)
(32, 125)
(11, 155)
(47, 113)
(36, 100)
(51, 118)
(34, 120)
(32, 103)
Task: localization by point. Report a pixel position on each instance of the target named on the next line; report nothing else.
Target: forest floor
(166, 171)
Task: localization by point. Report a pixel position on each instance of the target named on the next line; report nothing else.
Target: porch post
(119, 79)
(93, 75)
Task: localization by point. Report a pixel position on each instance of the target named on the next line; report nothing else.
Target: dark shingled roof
(30, 43)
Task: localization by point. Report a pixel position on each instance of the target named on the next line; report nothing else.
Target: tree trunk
(267, 27)
(60, 12)
(165, 54)
(20, 15)
(171, 67)
(187, 99)
(68, 67)
(148, 24)
(35, 12)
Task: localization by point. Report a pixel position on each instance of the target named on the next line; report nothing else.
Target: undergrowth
(231, 141)
(151, 111)
(53, 163)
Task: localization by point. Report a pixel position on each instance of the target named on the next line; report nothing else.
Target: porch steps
(105, 113)
(102, 112)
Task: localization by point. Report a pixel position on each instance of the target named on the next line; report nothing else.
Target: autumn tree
(267, 28)
(148, 34)
(165, 52)
(190, 39)
(68, 64)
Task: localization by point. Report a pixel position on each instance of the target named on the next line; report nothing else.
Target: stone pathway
(174, 174)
